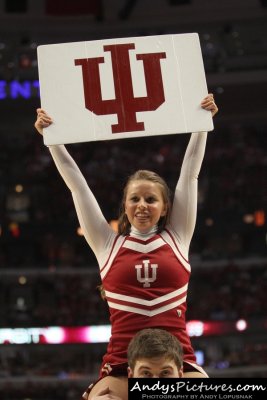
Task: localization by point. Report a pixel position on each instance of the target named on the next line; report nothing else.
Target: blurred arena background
(53, 324)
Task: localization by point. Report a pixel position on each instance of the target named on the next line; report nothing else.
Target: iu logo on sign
(125, 105)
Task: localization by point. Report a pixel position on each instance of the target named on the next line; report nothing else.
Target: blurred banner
(15, 89)
(122, 88)
(102, 333)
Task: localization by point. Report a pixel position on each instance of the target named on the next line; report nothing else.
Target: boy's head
(155, 353)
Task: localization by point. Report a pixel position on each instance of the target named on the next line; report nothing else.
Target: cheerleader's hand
(208, 103)
(42, 121)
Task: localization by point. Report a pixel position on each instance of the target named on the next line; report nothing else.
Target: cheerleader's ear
(164, 210)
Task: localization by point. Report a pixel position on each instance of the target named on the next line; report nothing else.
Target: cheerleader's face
(144, 204)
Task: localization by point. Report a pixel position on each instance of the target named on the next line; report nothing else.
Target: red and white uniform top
(146, 285)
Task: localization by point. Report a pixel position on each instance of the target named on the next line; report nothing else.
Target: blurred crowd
(65, 361)
(236, 292)
(53, 300)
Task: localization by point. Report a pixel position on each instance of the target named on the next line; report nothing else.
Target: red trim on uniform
(144, 241)
(147, 307)
(115, 241)
(166, 230)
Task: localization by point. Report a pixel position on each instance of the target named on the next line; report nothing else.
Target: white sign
(122, 88)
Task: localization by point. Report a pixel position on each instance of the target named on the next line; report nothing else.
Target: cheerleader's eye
(134, 199)
(151, 200)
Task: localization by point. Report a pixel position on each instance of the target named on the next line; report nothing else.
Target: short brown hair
(143, 174)
(154, 342)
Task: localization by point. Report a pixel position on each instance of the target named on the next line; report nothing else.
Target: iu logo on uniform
(125, 105)
(144, 270)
